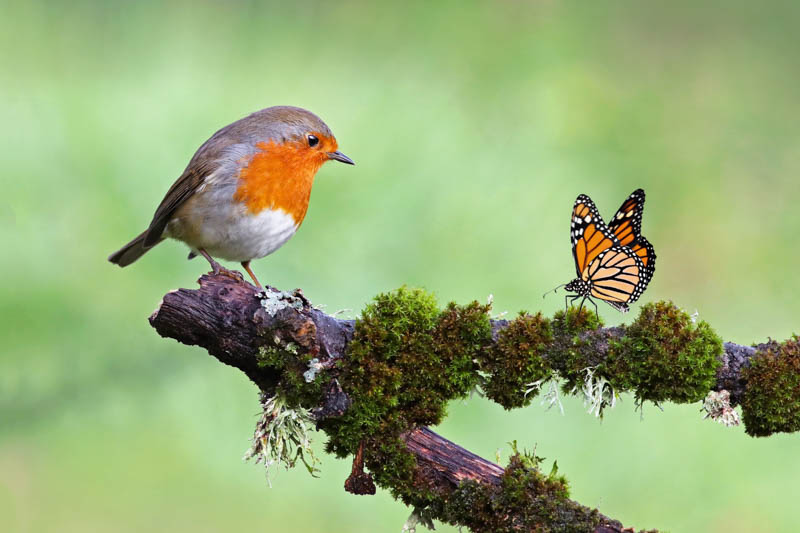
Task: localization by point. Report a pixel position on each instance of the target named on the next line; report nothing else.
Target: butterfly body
(613, 262)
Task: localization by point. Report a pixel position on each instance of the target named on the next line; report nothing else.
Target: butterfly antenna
(554, 289)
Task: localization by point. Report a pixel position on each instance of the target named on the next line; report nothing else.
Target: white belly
(227, 230)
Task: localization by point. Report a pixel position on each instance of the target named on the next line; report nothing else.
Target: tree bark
(231, 321)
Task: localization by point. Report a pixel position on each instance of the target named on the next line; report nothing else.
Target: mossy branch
(373, 385)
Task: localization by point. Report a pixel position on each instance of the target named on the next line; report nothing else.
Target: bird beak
(339, 156)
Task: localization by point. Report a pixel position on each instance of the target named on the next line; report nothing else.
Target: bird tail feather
(132, 251)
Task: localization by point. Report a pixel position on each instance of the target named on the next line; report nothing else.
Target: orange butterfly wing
(589, 234)
(647, 254)
(616, 276)
(626, 225)
(615, 263)
(627, 222)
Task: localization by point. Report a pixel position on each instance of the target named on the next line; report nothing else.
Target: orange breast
(280, 176)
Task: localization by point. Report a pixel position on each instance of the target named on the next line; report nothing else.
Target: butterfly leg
(596, 313)
(571, 298)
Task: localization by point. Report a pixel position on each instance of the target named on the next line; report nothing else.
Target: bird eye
(312, 140)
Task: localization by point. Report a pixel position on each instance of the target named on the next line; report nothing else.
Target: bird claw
(219, 270)
(233, 274)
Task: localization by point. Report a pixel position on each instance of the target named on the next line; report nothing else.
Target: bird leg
(246, 265)
(218, 269)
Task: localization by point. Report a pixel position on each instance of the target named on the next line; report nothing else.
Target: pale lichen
(550, 397)
(717, 406)
(420, 516)
(282, 436)
(314, 366)
(274, 301)
(597, 392)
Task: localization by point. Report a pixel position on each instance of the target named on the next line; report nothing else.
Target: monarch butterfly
(614, 262)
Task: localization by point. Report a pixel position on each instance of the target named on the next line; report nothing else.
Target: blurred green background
(474, 126)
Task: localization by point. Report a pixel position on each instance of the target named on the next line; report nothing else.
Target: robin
(245, 191)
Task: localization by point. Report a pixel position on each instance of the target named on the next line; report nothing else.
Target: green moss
(407, 359)
(575, 321)
(292, 364)
(666, 356)
(516, 360)
(573, 349)
(405, 362)
(772, 395)
(460, 340)
(392, 467)
(389, 364)
(524, 500)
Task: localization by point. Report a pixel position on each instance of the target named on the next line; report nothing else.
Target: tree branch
(228, 318)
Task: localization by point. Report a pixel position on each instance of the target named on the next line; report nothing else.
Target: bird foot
(219, 270)
(233, 274)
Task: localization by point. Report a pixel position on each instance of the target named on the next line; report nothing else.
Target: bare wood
(444, 462)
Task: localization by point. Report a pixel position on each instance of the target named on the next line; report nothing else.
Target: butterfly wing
(627, 227)
(647, 254)
(627, 222)
(588, 233)
(618, 277)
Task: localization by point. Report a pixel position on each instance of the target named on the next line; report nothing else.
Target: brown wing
(588, 233)
(627, 222)
(204, 162)
(180, 191)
